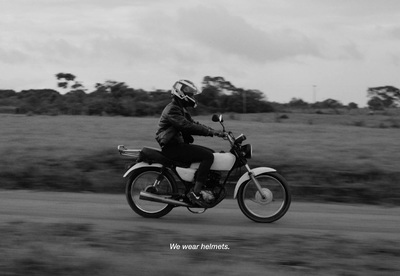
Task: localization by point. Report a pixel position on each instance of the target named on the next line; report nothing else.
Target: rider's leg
(202, 172)
(190, 153)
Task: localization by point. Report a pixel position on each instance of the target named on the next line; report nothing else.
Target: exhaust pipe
(156, 198)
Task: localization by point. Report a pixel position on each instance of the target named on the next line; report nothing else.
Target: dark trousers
(189, 153)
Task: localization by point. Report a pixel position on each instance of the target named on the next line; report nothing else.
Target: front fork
(259, 188)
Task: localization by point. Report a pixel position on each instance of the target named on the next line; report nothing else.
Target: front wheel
(143, 180)
(270, 207)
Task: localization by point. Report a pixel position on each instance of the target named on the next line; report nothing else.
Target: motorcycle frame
(172, 170)
(250, 174)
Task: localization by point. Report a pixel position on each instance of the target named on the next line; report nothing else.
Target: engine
(213, 179)
(213, 191)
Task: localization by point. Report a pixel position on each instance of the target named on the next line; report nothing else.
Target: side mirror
(220, 119)
(215, 118)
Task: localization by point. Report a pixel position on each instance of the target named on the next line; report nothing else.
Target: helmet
(185, 90)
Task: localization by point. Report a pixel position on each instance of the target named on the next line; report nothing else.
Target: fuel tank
(222, 162)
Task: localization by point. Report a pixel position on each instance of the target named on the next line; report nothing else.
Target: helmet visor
(189, 91)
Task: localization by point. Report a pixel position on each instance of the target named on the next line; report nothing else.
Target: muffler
(157, 198)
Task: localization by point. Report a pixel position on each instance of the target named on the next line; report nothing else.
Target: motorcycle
(156, 184)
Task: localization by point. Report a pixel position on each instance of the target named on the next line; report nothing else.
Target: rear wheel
(269, 208)
(143, 180)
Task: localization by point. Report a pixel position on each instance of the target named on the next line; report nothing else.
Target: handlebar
(232, 140)
(228, 135)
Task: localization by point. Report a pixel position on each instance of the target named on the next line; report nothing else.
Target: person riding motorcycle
(175, 131)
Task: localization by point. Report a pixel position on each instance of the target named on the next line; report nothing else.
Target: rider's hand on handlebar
(218, 133)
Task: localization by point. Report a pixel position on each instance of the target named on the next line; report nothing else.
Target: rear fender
(246, 176)
(142, 165)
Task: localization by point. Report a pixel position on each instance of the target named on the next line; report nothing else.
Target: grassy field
(48, 249)
(347, 158)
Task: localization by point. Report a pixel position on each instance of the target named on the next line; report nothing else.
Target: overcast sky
(281, 47)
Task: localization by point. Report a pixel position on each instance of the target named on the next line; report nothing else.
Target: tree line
(117, 98)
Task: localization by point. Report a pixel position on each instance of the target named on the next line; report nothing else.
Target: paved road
(111, 212)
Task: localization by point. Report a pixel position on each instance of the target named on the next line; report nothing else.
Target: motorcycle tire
(265, 209)
(140, 180)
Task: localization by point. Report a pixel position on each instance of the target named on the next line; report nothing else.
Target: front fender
(141, 165)
(245, 177)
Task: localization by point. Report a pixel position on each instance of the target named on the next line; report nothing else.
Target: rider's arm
(177, 118)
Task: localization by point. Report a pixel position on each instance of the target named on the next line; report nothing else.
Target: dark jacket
(176, 126)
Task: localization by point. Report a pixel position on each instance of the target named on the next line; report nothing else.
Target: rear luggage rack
(134, 153)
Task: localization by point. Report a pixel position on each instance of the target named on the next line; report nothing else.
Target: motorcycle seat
(152, 155)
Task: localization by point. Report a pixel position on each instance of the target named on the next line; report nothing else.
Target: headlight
(247, 151)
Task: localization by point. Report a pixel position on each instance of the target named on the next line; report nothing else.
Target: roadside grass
(29, 248)
(327, 160)
(355, 117)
